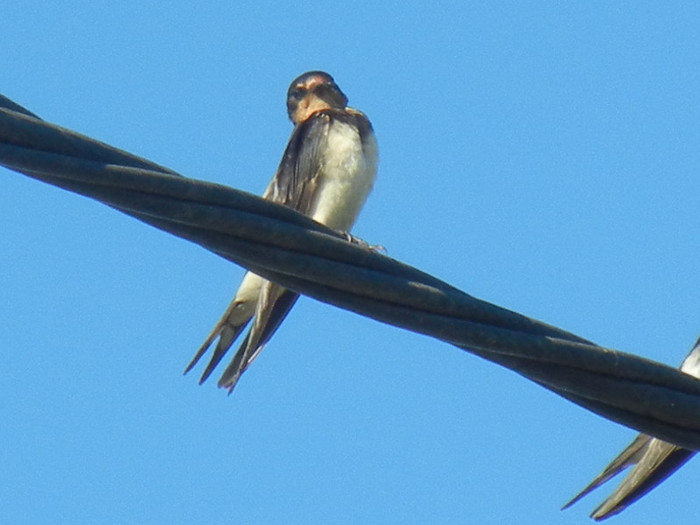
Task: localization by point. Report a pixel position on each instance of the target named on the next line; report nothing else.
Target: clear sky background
(542, 157)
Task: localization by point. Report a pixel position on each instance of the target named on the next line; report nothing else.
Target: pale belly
(348, 173)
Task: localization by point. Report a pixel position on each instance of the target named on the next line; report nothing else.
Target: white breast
(691, 364)
(348, 170)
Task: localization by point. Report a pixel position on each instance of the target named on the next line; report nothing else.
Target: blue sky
(543, 157)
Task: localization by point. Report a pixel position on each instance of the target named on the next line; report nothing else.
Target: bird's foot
(377, 248)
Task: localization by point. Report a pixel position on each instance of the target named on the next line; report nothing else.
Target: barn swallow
(327, 171)
(654, 461)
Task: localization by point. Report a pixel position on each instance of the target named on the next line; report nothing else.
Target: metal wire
(304, 256)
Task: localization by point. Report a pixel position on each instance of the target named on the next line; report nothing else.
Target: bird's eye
(297, 93)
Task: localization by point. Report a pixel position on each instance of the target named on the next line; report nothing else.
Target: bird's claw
(377, 248)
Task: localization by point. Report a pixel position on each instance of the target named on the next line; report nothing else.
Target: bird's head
(311, 92)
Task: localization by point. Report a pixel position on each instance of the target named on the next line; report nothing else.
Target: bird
(654, 460)
(327, 171)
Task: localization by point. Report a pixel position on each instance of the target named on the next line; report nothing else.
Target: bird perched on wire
(327, 171)
(654, 460)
